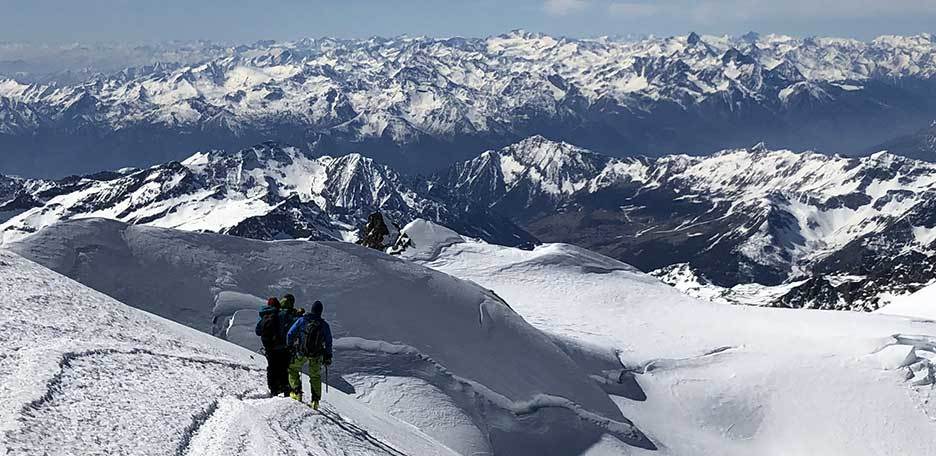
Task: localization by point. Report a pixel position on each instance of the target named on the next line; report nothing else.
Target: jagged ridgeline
(809, 229)
(424, 103)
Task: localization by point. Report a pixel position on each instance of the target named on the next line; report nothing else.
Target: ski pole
(326, 378)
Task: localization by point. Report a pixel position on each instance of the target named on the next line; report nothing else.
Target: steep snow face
(705, 378)
(391, 318)
(738, 216)
(268, 191)
(423, 93)
(921, 304)
(93, 373)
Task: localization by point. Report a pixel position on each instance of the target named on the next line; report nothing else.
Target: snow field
(83, 374)
(703, 378)
(510, 389)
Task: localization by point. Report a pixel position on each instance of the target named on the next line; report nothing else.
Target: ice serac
(707, 378)
(94, 377)
(391, 318)
(427, 103)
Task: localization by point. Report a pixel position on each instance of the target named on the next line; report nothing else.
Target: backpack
(313, 338)
(271, 331)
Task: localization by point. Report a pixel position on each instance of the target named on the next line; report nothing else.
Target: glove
(327, 361)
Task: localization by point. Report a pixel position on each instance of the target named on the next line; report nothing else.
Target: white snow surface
(398, 324)
(921, 304)
(718, 379)
(81, 373)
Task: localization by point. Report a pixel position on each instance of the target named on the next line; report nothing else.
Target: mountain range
(267, 192)
(423, 104)
(790, 229)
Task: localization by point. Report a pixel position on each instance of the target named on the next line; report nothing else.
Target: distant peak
(520, 33)
(353, 158)
(536, 139)
(693, 39)
(541, 152)
(542, 143)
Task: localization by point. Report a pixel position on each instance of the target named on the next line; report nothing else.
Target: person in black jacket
(270, 329)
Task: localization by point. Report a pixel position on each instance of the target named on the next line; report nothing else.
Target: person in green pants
(311, 338)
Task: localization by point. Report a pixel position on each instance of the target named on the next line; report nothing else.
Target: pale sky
(63, 21)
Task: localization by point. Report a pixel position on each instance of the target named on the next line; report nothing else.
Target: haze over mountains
(422, 104)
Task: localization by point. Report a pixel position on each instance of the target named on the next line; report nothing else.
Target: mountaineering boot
(315, 405)
(296, 396)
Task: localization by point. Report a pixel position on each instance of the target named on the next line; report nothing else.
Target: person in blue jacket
(310, 339)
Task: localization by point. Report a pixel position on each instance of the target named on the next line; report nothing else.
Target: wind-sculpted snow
(705, 378)
(81, 373)
(429, 102)
(458, 337)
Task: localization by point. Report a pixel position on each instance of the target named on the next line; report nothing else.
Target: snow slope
(703, 378)
(81, 373)
(492, 383)
(921, 304)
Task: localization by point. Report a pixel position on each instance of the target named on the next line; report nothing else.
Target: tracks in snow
(282, 426)
(99, 399)
(99, 389)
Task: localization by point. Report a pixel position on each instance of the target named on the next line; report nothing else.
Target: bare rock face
(379, 232)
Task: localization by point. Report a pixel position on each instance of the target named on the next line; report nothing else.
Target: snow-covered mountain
(704, 378)
(268, 191)
(847, 230)
(790, 229)
(99, 377)
(428, 102)
(447, 356)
